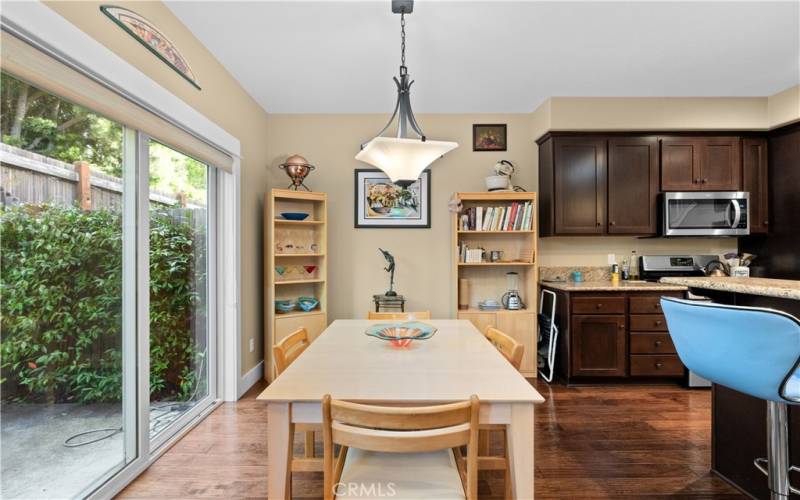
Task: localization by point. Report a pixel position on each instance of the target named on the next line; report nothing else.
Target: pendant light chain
(402, 43)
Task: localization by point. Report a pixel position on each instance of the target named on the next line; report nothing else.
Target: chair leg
(309, 444)
(508, 493)
(289, 458)
(776, 465)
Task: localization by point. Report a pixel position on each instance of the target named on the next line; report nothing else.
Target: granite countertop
(607, 286)
(787, 289)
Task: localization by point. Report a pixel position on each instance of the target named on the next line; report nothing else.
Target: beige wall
(423, 259)
(224, 102)
(784, 107)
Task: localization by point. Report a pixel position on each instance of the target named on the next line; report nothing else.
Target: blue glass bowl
(294, 215)
(284, 305)
(307, 303)
(401, 334)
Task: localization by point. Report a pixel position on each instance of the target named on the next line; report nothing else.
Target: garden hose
(155, 422)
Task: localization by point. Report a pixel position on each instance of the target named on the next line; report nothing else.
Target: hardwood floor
(591, 442)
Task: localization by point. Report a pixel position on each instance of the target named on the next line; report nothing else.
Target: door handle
(737, 213)
(658, 343)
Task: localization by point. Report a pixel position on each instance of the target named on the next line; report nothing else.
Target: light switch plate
(611, 259)
(252, 344)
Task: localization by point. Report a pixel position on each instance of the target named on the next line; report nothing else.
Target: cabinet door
(522, 327)
(580, 185)
(680, 159)
(720, 164)
(754, 176)
(480, 320)
(599, 346)
(632, 185)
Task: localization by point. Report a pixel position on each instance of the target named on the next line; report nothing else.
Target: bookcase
(486, 279)
(295, 265)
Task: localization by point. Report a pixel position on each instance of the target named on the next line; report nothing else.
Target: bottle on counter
(634, 265)
(626, 269)
(615, 273)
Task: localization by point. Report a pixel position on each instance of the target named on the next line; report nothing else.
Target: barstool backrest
(748, 349)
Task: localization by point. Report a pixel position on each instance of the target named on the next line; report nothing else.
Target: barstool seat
(752, 350)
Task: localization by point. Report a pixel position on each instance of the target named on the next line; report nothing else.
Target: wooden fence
(30, 178)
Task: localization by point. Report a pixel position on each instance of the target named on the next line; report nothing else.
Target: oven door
(706, 214)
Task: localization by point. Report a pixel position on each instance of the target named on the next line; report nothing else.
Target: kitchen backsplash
(590, 273)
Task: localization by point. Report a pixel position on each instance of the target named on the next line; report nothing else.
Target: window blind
(28, 63)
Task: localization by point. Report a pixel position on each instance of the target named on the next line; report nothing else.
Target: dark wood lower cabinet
(613, 336)
(599, 345)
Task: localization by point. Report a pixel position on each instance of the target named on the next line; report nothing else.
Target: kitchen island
(738, 428)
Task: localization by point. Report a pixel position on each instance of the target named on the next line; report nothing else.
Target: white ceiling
(493, 56)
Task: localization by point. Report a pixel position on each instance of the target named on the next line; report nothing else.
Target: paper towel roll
(463, 293)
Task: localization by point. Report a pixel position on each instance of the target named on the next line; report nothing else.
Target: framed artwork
(489, 137)
(380, 203)
(144, 32)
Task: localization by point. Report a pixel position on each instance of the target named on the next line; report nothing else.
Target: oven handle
(737, 214)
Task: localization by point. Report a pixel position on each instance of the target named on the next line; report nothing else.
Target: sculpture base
(391, 293)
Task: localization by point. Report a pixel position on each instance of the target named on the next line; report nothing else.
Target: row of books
(471, 255)
(514, 217)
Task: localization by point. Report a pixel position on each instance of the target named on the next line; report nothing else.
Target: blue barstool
(752, 350)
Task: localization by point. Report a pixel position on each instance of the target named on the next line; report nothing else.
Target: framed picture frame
(379, 203)
(489, 137)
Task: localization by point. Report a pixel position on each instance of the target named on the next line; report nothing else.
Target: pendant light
(403, 158)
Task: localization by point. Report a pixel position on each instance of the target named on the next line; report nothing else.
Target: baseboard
(250, 378)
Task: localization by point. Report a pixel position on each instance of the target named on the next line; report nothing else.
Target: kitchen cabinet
(632, 185)
(613, 336)
(754, 180)
(701, 163)
(599, 345)
(580, 185)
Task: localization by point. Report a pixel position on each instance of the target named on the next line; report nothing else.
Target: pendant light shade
(403, 158)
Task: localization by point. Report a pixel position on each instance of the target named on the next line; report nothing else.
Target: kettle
(716, 268)
(511, 300)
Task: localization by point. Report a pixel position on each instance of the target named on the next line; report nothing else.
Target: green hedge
(61, 285)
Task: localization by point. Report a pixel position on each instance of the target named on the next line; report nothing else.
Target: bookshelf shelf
(310, 238)
(487, 280)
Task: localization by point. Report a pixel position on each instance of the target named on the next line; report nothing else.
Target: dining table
(455, 363)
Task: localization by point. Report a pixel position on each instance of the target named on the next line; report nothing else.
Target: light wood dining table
(455, 363)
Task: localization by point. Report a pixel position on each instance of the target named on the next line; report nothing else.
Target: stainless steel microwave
(693, 213)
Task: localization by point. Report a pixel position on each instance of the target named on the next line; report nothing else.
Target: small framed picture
(489, 137)
(379, 203)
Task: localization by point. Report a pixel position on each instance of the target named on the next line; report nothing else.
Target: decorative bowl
(285, 306)
(401, 334)
(307, 303)
(294, 215)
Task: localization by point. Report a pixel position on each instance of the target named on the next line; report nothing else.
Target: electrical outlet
(612, 259)
(252, 344)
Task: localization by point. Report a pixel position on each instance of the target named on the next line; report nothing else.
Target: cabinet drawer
(657, 365)
(651, 343)
(650, 304)
(598, 305)
(648, 322)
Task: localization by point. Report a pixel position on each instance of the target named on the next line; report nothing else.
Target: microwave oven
(693, 213)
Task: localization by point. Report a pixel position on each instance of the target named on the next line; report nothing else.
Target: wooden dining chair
(399, 315)
(513, 351)
(283, 354)
(414, 451)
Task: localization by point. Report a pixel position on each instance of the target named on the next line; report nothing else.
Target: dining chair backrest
(399, 315)
(508, 347)
(288, 349)
(391, 429)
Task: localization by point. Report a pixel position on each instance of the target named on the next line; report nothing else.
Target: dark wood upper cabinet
(680, 160)
(632, 185)
(599, 345)
(754, 180)
(720, 164)
(579, 176)
(701, 164)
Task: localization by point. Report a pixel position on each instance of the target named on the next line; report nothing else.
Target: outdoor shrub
(61, 286)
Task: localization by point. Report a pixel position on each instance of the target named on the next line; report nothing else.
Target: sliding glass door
(108, 343)
(182, 349)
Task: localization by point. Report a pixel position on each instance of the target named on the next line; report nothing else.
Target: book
(478, 219)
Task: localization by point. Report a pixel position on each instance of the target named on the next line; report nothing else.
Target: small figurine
(389, 269)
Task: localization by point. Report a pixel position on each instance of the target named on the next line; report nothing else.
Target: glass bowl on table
(401, 334)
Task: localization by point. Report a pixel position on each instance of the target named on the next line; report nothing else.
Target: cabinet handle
(659, 365)
(657, 322)
(598, 306)
(622, 326)
(766, 223)
(696, 181)
(657, 305)
(704, 181)
(658, 343)
(613, 223)
(598, 224)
